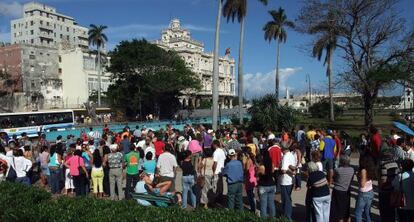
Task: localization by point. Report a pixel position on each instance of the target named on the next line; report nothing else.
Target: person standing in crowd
(288, 171)
(131, 163)
(341, 194)
(75, 164)
(298, 156)
(22, 167)
(149, 165)
(404, 182)
(188, 180)
(219, 157)
(399, 152)
(328, 147)
(366, 175)
(195, 147)
(233, 143)
(166, 166)
(275, 153)
(250, 180)
(97, 173)
(159, 146)
(104, 151)
(316, 158)
(363, 144)
(54, 165)
(252, 147)
(208, 139)
(266, 187)
(115, 163)
(125, 144)
(206, 170)
(45, 171)
(233, 171)
(375, 143)
(388, 171)
(87, 156)
(318, 193)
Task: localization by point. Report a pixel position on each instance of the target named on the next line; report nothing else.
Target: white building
(179, 39)
(80, 76)
(42, 25)
(406, 102)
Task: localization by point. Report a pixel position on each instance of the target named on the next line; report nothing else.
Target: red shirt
(275, 153)
(376, 142)
(159, 147)
(338, 146)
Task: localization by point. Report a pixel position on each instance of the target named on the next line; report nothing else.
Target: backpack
(11, 175)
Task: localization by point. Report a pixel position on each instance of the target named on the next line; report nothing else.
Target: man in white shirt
(219, 156)
(166, 165)
(286, 180)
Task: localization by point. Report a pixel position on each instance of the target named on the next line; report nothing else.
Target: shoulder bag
(81, 172)
(397, 199)
(12, 175)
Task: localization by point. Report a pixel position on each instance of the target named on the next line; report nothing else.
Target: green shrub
(22, 203)
(321, 109)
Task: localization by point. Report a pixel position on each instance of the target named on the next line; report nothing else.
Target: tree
(266, 114)
(275, 30)
(373, 44)
(233, 9)
(97, 37)
(328, 31)
(147, 79)
(321, 109)
(216, 66)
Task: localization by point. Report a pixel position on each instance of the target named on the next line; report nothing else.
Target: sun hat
(232, 152)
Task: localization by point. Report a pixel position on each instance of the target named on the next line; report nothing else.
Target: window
(33, 83)
(31, 23)
(41, 22)
(14, 25)
(41, 53)
(60, 58)
(67, 38)
(67, 29)
(54, 25)
(60, 70)
(31, 41)
(32, 57)
(31, 32)
(47, 23)
(61, 36)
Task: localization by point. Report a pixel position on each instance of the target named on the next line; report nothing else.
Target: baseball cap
(232, 152)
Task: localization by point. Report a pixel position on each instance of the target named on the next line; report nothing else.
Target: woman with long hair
(97, 173)
(54, 164)
(267, 186)
(366, 175)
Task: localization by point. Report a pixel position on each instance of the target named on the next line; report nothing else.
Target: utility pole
(308, 80)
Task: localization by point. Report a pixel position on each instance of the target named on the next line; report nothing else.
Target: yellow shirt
(311, 135)
(252, 148)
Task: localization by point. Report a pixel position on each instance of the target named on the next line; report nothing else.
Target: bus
(33, 123)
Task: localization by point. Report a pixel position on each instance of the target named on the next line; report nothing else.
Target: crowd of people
(227, 161)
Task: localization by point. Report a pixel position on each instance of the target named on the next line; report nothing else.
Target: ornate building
(179, 39)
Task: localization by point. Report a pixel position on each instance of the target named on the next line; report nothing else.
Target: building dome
(175, 24)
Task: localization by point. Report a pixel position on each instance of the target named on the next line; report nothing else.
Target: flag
(227, 51)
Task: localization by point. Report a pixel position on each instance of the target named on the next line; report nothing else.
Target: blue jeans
(188, 186)
(267, 200)
(235, 196)
(286, 192)
(250, 198)
(363, 205)
(54, 181)
(23, 180)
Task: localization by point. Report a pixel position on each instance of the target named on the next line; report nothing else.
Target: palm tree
(216, 66)
(233, 9)
(329, 31)
(97, 37)
(275, 30)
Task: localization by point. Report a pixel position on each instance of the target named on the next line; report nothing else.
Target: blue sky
(128, 19)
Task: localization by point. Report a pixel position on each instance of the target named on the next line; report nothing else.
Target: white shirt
(23, 166)
(287, 160)
(319, 164)
(150, 149)
(219, 157)
(166, 163)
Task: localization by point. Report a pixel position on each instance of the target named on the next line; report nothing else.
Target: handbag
(12, 175)
(201, 179)
(81, 172)
(397, 198)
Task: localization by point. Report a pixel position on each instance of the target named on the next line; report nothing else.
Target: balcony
(46, 35)
(47, 27)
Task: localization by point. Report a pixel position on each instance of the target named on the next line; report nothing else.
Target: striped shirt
(388, 169)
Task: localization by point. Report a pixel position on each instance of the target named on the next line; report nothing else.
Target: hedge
(22, 203)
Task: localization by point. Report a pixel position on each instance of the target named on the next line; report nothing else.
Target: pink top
(251, 180)
(367, 187)
(74, 162)
(194, 146)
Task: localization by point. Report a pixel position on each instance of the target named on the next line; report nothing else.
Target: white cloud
(12, 9)
(259, 84)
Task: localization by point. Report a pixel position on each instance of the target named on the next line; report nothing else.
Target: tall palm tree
(216, 66)
(97, 37)
(329, 31)
(275, 30)
(233, 9)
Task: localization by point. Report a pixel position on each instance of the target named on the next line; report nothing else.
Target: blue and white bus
(34, 122)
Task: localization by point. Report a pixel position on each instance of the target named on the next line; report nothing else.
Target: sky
(129, 19)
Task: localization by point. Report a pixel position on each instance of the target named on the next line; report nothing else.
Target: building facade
(177, 38)
(41, 25)
(80, 76)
